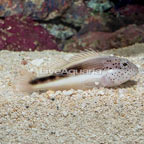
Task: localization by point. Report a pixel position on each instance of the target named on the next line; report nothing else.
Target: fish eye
(125, 64)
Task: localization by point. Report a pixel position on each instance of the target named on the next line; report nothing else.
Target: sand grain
(106, 116)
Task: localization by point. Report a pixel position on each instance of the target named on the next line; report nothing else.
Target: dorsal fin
(83, 55)
(77, 58)
(58, 64)
(80, 57)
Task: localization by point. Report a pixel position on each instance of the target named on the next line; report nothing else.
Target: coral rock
(60, 31)
(93, 24)
(20, 33)
(131, 14)
(76, 14)
(37, 9)
(107, 40)
(100, 5)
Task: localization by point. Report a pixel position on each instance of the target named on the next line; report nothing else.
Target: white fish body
(89, 71)
(76, 82)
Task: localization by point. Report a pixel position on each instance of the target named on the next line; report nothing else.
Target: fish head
(119, 71)
(129, 68)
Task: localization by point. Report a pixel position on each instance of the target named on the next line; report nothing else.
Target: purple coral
(22, 33)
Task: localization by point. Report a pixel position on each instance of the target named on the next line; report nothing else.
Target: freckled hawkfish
(83, 71)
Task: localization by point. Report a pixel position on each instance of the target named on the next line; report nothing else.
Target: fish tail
(22, 82)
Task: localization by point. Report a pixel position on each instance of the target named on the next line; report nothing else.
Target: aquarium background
(70, 25)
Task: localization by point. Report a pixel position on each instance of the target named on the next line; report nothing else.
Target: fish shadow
(127, 84)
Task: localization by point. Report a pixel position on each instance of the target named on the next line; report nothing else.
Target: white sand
(98, 116)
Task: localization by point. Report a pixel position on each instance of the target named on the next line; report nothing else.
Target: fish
(85, 70)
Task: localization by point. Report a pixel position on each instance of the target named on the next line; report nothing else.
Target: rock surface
(106, 40)
(20, 33)
(77, 19)
(37, 9)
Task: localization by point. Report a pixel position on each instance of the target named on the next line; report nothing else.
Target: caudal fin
(22, 82)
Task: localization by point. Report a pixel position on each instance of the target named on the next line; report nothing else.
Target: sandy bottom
(97, 116)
